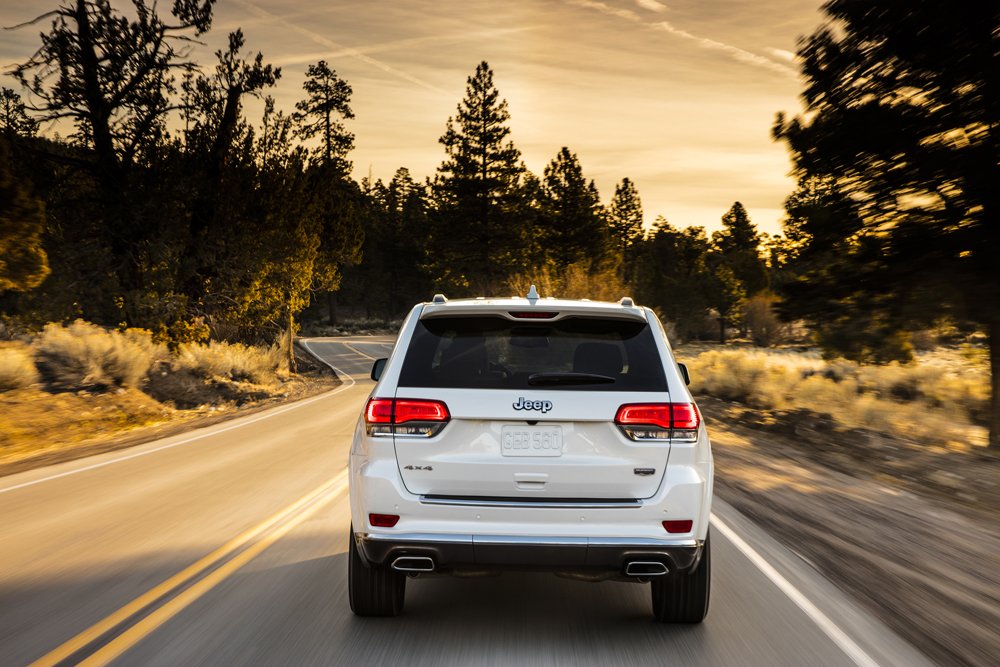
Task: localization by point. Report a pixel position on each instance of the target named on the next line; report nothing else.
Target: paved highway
(228, 546)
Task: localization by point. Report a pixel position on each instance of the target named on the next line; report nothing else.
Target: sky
(679, 96)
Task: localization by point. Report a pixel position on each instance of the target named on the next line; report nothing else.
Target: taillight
(411, 410)
(659, 421)
(405, 417)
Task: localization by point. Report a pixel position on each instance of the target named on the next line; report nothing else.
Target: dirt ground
(911, 532)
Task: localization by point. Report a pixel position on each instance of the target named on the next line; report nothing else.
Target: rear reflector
(533, 314)
(390, 520)
(677, 526)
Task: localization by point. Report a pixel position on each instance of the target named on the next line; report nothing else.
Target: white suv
(531, 434)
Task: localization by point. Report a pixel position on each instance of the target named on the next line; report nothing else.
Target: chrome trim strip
(416, 537)
(642, 542)
(531, 540)
(588, 504)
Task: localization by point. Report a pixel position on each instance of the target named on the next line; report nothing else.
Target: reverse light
(678, 526)
(659, 421)
(385, 520)
(405, 417)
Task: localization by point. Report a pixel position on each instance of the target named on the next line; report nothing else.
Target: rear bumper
(559, 554)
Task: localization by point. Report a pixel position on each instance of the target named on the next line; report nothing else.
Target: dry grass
(942, 403)
(17, 367)
(235, 362)
(65, 410)
(86, 356)
(576, 281)
(33, 421)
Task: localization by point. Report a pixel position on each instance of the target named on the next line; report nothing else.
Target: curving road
(227, 546)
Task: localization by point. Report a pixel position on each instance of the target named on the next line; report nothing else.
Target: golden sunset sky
(679, 96)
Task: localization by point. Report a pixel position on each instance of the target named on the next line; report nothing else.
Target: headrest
(598, 358)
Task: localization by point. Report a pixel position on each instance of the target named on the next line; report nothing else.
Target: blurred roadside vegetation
(940, 399)
(167, 208)
(68, 385)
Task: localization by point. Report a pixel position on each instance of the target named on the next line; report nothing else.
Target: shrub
(761, 321)
(85, 356)
(923, 401)
(233, 361)
(17, 368)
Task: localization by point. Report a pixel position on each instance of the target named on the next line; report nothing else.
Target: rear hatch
(532, 406)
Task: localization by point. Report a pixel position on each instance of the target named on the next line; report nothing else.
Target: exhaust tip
(413, 564)
(643, 568)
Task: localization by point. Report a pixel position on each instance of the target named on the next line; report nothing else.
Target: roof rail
(627, 302)
(439, 298)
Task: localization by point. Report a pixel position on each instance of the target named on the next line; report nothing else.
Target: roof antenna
(532, 294)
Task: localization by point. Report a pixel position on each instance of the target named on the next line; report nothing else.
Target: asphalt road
(228, 546)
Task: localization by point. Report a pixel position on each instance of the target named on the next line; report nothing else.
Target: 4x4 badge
(525, 404)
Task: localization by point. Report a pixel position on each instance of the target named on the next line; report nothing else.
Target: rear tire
(374, 590)
(683, 597)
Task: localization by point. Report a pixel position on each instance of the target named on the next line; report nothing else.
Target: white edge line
(829, 628)
(201, 436)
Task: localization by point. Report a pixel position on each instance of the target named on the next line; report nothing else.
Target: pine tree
(321, 115)
(221, 145)
(111, 74)
(390, 276)
(738, 247)
(477, 238)
(830, 265)
(625, 216)
(23, 262)
(575, 229)
(671, 275)
(15, 123)
(901, 113)
(327, 102)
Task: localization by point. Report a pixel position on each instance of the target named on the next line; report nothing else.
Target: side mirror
(377, 368)
(684, 372)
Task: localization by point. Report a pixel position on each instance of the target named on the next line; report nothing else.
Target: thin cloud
(742, 55)
(651, 5)
(736, 52)
(424, 41)
(781, 54)
(383, 47)
(346, 50)
(626, 14)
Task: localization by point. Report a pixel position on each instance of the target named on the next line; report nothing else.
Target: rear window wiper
(550, 379)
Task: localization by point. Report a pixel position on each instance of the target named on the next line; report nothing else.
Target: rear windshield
(573, 354)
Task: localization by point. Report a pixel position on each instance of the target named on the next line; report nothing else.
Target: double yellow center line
(164, 601)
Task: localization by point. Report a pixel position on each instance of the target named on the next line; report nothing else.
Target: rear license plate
(531, 441)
